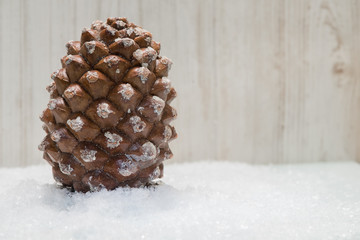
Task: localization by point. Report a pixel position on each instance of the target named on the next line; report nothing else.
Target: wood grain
(258, 81)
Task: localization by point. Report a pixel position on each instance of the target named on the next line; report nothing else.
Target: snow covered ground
(205, 200)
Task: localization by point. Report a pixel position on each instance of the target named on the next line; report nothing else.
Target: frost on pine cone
(107, 121)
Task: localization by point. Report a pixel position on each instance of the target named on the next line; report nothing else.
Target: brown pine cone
(107, 121)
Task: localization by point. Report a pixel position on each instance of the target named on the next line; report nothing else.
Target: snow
(113, 140)
(92, 77)
(127, 168)
(88, 155)
(90, 46)
(103, 110)
(143, 73)
(157, 104)
(75, 124)
(205, 200)
(126, 91)
(52, 104)
(137, 124)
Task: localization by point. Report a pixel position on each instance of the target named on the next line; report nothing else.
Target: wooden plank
(11, 80)
(37, 61)
(250, 78)
(258, 81)
(353, 131)
(2, 100)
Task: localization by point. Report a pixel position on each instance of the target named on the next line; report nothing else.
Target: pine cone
(107, 121)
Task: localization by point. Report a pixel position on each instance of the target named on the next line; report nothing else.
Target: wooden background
(258, 81)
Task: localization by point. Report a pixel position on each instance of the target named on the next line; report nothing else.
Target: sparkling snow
(203, 200)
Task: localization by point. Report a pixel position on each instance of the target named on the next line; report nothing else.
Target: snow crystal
(53, 76)
(143, 73)
(88, 155)
(138, 31)
(127, 42)
(167, 84)
(111, 30)
(148, 153)
(140, 109)
(145, 56)
(97, 24)
(92, 77)
(69, 59)
(65, 168)
(126, 91)
(90, 46)
(167, 155)
(55, 136)
(129, 31)
(51, 88)
(166, 61)
(70, 92)
(111, 61)
(75, 124)
(42, 146)
(155, 174)
(52, 104)
(120, 24)
(94, 188)
(113, 140)
(127, 168)
(148, 40)
(138, 54)
(204, 200)
(69, 43)
(166, 81)
(137, 124)
(157, 104)
(167, 133)
(151, 52)
(103, 110)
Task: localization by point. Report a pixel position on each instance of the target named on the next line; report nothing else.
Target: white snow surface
(205, 200)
